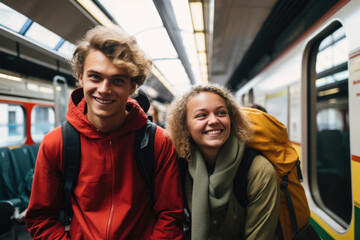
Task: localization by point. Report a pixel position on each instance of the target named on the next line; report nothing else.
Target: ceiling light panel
(197, 15)
(174, 70)
(157, 44)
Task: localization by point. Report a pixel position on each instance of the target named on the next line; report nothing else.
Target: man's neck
(107, 125)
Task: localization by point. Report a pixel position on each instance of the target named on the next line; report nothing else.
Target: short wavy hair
(118, 46)
(176, 118)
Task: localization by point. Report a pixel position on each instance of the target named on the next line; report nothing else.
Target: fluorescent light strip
(162, 79)
(13, 78)
(46, 90)
(202, 58)
(200, 41)
(197, 15)
(205, 77)
(204, 73)
(196, 10)
(95, 12)
(328, 92)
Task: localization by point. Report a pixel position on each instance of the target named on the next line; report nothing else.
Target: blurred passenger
(155, 114)
(209, 131)
(256, 106)
(110, 200)
(143, 100)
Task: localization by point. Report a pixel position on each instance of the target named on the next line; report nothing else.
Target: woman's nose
(213, 119)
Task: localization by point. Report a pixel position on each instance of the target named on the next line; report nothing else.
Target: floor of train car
(21, 231)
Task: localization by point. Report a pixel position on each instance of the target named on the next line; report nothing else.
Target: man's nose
(105, 87)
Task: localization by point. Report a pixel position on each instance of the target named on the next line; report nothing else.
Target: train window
(67, 48)
(251, 96)
(42, 122)
(12, 124)
(243, 99)
(42, 35)
(329, 151)
(10, 18)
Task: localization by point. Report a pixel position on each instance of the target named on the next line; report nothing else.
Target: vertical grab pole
(60, 98)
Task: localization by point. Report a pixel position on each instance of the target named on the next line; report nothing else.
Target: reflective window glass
(12, 124)
(332, 51)
(42, 122)
(329, 151)
(67, 48)
(330, 118)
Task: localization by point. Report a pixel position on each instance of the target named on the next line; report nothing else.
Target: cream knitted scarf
(212, 192)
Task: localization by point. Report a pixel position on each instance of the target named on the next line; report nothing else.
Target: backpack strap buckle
(285, 182)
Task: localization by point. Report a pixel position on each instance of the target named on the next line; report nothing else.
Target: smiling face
(208, 121)
(106, 89)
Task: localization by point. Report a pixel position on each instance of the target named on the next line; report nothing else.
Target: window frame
(309, 97)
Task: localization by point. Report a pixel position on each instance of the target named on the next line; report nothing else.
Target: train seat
(8, 177)
(331, 152)
(333, 167)
(16, 169)
(22, 161)
(34, 149)
(9, 200)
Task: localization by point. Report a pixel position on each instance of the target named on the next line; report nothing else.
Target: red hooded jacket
(110, 201)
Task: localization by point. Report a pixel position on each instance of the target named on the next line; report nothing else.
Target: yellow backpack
(271, 139)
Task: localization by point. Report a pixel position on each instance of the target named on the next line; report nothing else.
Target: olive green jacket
(259, 219)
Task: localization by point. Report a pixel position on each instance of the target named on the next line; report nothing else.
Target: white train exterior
(314, 89)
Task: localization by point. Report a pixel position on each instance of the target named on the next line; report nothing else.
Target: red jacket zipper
(112, 182)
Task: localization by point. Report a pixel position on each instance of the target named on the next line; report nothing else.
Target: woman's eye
(200, 115)
(222, 113)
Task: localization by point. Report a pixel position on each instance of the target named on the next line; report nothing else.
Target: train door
(326, 131)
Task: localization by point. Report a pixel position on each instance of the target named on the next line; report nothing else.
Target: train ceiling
(246, 35)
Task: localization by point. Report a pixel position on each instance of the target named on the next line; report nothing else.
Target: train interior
(241, 39)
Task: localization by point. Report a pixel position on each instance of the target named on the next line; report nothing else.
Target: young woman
(208, 129)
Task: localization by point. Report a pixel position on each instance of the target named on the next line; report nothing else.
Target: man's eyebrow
(93, 71)
(115, 75)
(121, 76)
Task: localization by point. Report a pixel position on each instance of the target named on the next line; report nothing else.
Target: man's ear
(133, 87)
(81, 81)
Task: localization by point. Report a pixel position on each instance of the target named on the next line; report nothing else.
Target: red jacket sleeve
(168, 195)
(46, 200)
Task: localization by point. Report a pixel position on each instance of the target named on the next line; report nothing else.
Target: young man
(110, 200)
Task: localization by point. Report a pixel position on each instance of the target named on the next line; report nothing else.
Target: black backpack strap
(70, 165)
(241, 180)
(283, 185)
(279, 231)
(144, 154)
(183, 169)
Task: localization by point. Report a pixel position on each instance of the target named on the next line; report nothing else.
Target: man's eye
(118, 80)
(94, 77)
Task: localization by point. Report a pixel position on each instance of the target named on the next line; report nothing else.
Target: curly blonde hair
(176, 118)
(118, 46)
